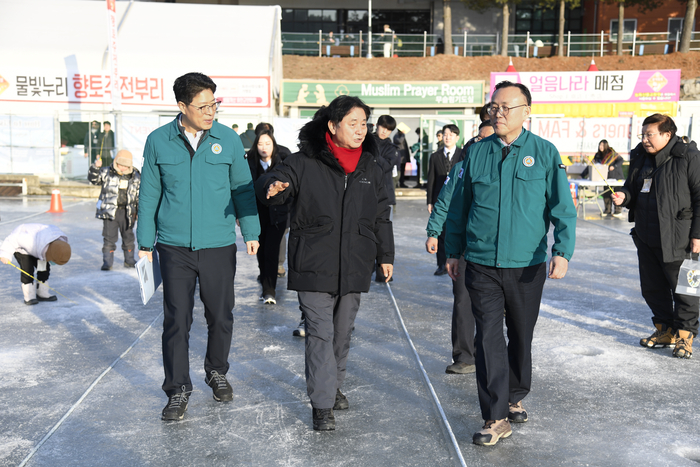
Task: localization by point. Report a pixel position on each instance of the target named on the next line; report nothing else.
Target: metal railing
(471, 45)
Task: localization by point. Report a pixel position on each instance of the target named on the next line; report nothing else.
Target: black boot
(129, 261)
(107, 259)
(608, 205)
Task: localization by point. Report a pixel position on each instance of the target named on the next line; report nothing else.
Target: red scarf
(348, 158)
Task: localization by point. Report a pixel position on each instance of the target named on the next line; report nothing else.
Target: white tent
(54, 64)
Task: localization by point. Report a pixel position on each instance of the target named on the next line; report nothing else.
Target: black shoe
(341, 402)
(217, 382)
(323, 419)
(129, 265)
(50, 298)
(440, 271)
(33, 301)
(176, 407)
(106, 267)
(300, 331)
(460, 368)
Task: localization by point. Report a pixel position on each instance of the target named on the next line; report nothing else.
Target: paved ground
(598, 398)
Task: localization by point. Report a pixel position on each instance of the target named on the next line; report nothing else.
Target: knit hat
(124, 158)
(58, 252)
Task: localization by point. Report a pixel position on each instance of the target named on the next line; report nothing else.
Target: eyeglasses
(208, 108)
(647, 135)
(494, 109)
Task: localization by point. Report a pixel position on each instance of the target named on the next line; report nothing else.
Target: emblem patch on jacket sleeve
(216, 148)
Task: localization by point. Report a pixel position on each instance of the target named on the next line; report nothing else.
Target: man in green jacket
(462, 317)
(195, 184)
(514, 185)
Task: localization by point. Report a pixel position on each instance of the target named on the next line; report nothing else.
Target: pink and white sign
(113, 62)
(588, 87)
(135, 89)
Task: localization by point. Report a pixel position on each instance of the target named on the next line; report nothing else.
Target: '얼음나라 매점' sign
(597, 86)
(303, 93)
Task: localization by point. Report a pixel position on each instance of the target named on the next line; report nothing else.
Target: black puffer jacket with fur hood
(340, 225)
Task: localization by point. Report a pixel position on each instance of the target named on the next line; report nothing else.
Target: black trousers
(268, 254)
(180, 269)
(329, 320)
(111, 228)
(658, 282)
(28, 263)
(462, 320)
(504, 373)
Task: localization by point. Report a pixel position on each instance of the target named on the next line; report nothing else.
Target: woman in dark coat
(662, 192)
(608, 156)
(340, 226)
(263, 157)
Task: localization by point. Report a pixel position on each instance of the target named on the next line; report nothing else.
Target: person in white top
(34, 247)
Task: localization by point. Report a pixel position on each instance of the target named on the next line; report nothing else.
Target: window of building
(630, 27)
(539, 20)
(354, 21)
(676, 25)
(309, 20)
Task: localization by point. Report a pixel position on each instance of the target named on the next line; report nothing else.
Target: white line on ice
(86, 393)
(427, 380)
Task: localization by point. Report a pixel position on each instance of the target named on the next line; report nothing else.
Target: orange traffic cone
(511, 68)
(56, 205)
(592, 66)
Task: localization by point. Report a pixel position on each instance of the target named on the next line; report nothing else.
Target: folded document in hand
(149, 276)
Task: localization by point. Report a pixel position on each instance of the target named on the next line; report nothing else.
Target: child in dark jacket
(117, 205)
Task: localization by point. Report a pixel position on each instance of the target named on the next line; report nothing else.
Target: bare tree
(562, 22)
(688, 26)
(483, 5)
(447, 19)
(504, 31)
(643, 6)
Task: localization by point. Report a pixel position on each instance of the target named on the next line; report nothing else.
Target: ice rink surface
(80, 378)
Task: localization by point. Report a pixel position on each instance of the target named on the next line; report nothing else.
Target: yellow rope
(50, 288)
(601, 175)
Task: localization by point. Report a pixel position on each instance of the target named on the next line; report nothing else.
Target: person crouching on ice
(117, 206)
(34, 247)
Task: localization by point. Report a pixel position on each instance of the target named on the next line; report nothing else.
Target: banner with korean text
(113, 68)
(579, 87)
(147, 88)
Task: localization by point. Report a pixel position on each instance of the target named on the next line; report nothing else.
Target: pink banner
(587, 87)
(113, 68)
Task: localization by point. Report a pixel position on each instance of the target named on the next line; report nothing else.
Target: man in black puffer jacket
(117, 205)
(340, 226)
(662, 192)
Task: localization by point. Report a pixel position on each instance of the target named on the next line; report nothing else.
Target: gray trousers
(329, 320)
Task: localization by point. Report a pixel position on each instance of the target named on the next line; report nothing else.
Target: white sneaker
(270, 300)
(300, 331)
